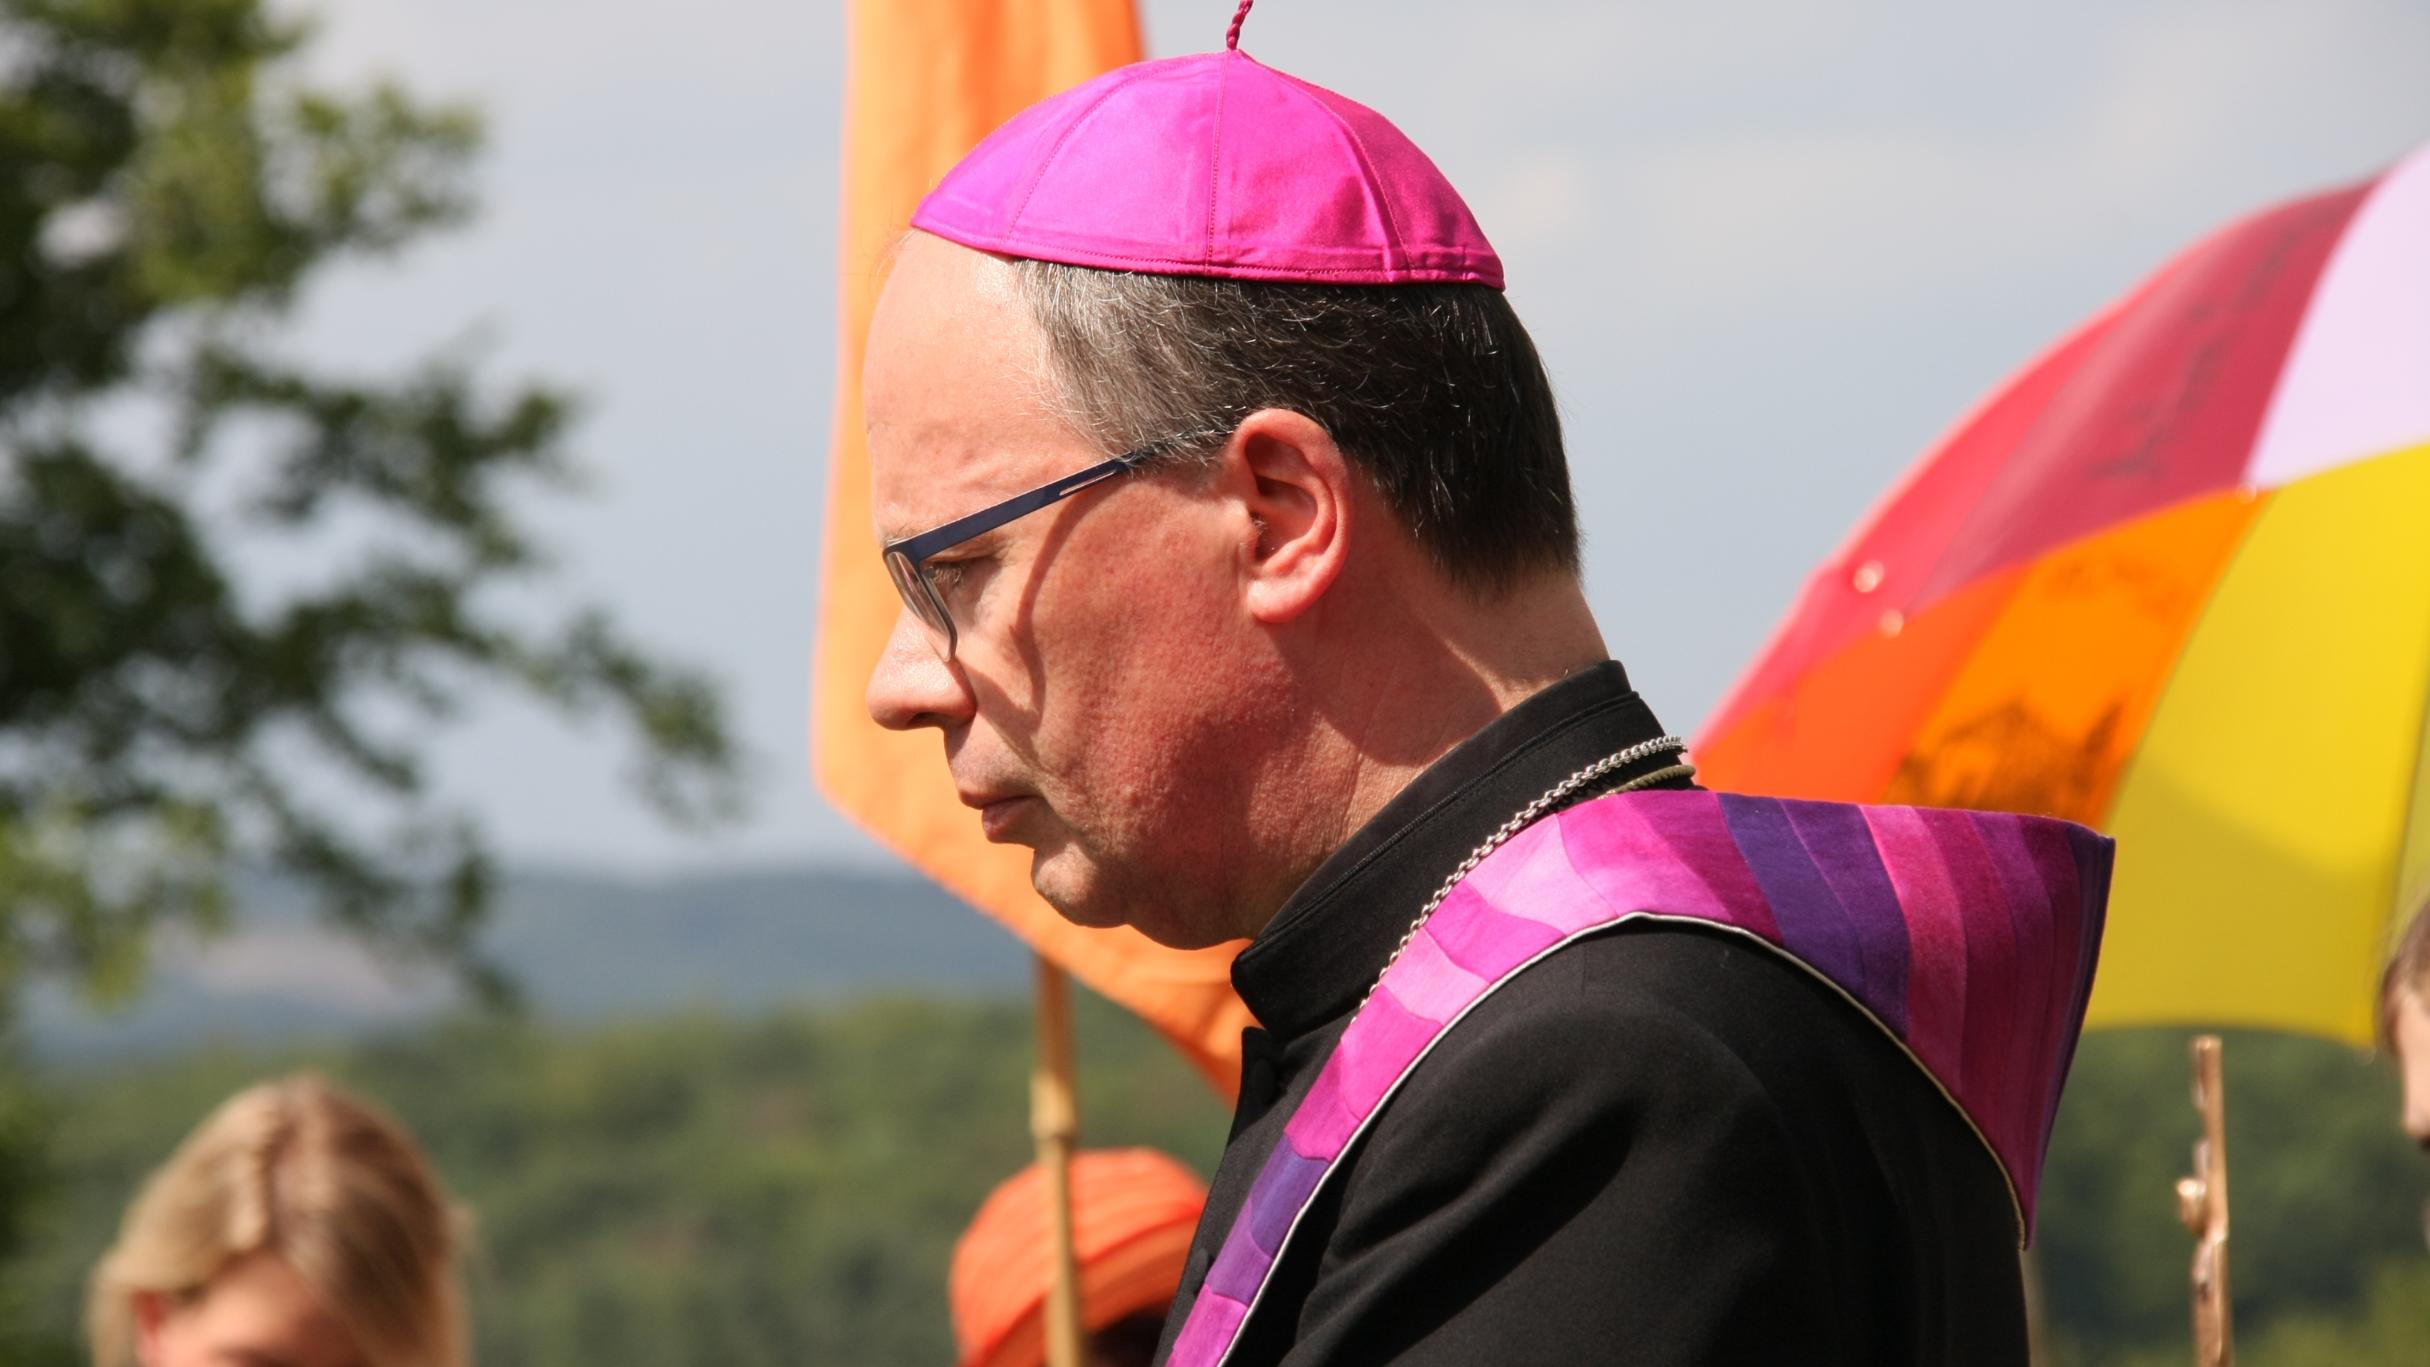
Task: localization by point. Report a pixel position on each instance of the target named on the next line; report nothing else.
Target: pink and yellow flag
(925, 80)
(2172, 581)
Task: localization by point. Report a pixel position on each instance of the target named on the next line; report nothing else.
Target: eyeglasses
(907, 560)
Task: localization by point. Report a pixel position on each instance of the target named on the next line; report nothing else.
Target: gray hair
(1434, 392)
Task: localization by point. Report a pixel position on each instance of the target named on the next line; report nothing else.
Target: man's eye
(952, 575)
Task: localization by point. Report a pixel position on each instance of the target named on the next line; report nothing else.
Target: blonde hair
(329, 1184)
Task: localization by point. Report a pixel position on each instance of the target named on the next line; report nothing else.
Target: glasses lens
(922, 600)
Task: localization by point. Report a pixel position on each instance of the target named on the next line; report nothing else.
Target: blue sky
(1770, 251)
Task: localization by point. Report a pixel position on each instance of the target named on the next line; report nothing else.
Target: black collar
(1315, 959)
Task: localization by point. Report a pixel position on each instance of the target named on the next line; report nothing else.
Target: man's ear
(1293, 489)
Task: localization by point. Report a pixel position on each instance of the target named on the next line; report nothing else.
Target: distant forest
(785, 1187)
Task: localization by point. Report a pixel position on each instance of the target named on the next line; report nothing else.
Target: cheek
(2414, 1055)
(179, 1339)
(1120, 641)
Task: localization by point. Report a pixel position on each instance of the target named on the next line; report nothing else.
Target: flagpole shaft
(2202, 1203)
(1054, 1122)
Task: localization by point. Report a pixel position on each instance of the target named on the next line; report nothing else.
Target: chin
(1083, 894)
(1078, 894)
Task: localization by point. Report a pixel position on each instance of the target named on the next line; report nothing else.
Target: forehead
(953, 391)
(258, 1308)
(2410, 1014)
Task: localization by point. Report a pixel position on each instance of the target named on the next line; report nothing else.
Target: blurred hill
(581, 948)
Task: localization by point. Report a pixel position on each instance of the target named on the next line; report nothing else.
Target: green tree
(756, 1191)
(168, 188)
(2328, 1198)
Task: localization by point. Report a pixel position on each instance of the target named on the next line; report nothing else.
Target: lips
(998, 812)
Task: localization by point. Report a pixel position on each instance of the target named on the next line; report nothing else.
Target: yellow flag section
(925, 80)
(2271, 827)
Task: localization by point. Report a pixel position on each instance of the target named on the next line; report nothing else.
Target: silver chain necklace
(1528, 814)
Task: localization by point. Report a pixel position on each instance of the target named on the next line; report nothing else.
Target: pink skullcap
(1212, 165)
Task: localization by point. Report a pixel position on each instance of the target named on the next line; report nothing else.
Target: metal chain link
(1527, 816)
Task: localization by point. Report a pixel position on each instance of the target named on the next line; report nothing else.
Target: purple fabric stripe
(1240, 1268)
(1813, 925)
(1990, 986)
(1284, 1185)
(2094, 856)
(1841, 846)
(2076, 925)
(2027, 903)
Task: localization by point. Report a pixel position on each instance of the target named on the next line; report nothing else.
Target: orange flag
(925, 80)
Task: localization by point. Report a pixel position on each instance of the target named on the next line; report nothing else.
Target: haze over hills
(580, 947)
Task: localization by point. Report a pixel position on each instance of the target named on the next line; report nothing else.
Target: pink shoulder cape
(1969, 938)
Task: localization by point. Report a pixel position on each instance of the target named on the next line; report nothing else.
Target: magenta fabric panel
(1936, 981)
(1212, 165)
(1482, 939)
(1323, 1124)
(1240, 1265)
(1678, 856)
(1534, 879)
(1989, 1008)
(1208, 1333)
(1430, 984)
(1377, 1048)
(1969, 937)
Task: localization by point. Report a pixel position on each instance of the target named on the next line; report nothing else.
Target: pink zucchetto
(1212, 165)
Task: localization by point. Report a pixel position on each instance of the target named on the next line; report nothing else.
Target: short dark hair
(1434, 392)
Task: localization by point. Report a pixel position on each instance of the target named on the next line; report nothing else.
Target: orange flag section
(925, 80)
(2027, 690)
(2053, 699)
(1841, 730)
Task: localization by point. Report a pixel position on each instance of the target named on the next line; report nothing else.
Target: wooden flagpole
(1054, 1122)
(2202, 1203)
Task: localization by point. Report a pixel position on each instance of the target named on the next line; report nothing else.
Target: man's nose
(913, 687)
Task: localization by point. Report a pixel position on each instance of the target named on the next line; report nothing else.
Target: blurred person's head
(296, 1227)
(2404, 1021)
(1133, 1211)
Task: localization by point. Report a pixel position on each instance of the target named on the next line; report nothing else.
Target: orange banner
(925, 80)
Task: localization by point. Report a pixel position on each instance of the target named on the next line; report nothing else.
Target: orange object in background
(1133, 1211)
(925, 80)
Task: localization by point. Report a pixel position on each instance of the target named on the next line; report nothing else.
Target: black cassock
(1659, 1145)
